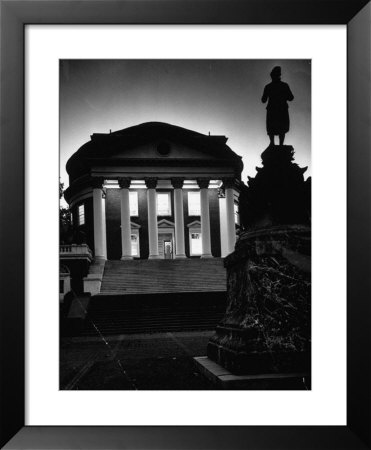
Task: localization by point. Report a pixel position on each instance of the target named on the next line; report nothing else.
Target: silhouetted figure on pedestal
(278, 94)
(267, 324)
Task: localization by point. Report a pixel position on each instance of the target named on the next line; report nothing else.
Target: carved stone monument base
(267, 325)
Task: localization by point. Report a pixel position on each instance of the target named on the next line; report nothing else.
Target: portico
(175, 229)
(156, 191)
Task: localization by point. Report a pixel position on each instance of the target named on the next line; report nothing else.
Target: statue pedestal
(266, 328)
(278, 194)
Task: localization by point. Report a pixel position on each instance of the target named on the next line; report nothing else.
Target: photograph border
(15, 15)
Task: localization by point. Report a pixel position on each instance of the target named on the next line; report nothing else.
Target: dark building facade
(155, 191)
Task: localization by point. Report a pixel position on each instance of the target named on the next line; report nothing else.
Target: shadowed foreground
(158, 361)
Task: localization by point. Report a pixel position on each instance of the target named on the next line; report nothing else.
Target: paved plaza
(158, 361)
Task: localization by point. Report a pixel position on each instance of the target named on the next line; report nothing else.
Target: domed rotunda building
(155, 210)
(155, 191)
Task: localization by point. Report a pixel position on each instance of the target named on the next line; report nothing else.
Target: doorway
(168, 250)
(166, 245)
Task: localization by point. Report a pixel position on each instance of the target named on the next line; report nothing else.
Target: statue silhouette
(277, 93)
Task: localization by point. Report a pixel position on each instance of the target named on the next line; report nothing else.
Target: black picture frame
(356, 14)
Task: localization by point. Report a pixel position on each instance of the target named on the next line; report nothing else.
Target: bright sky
(222, 97)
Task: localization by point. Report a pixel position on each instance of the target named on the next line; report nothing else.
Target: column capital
(124, 183)
(97, 182)
(229, 183)
(151, 182)
(203, 183)
(177, 183)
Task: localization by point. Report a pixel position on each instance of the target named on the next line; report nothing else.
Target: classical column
(151, 184)
(229, 184)
(203, 183)
(223, 224)
(99, 219)
(104, 225)
(179, 217)
(124, 184)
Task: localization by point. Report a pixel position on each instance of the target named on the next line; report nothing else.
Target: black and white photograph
(185, 224)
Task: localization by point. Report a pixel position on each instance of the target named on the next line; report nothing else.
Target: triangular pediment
(194, 224)
(163, 223)
(153, 144)
(163, 141)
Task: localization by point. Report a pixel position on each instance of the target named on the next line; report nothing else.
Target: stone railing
(75, 251)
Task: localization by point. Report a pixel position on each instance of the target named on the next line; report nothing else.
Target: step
(163, 276)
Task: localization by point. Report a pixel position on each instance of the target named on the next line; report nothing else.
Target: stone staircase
(163, 276)
(148, 296)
